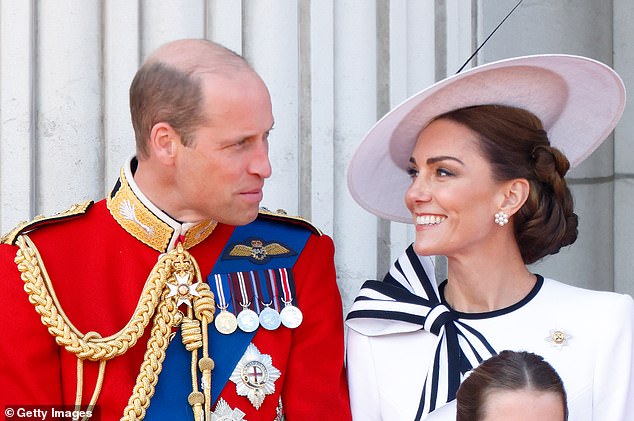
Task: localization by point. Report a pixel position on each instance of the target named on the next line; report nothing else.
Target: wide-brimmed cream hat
(579, 101)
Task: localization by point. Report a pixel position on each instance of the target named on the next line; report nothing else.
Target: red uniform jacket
(98, 263)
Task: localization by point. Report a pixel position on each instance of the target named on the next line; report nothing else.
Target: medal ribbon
(262, 290)
(243, 287)
(220, 292)
(407, 301)
(255, 283)
(272, 282)
(286, 286)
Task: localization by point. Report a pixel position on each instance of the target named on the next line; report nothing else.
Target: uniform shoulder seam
(41, 220)
(281, 215)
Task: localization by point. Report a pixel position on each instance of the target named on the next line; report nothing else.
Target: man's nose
(261, 164)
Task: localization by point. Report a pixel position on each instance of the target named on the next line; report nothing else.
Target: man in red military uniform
(176, 297)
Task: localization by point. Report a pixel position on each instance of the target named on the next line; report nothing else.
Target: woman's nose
(418, 191)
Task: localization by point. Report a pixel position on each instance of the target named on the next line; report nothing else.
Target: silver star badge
(255, 376)
(224, 412)
(182, 289)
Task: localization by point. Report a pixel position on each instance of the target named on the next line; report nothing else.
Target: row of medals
(248, 320)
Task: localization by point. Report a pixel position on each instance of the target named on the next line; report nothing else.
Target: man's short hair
(168, 89)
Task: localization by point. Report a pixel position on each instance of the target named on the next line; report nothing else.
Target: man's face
(221, 174)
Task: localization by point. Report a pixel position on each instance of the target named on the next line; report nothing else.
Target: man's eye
(240, 143)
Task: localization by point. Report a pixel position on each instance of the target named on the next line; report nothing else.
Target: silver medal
(225, 322)
(291, 316)
(270, 319)
(248, 320)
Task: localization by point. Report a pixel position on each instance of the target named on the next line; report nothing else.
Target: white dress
(587, 336)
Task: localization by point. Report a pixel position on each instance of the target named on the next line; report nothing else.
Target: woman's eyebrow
(435, 159)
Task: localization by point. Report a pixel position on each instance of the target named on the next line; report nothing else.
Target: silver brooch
(255, 376)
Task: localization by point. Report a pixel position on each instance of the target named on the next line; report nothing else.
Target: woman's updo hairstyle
(514, 141)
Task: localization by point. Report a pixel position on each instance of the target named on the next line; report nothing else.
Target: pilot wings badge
(257, 251)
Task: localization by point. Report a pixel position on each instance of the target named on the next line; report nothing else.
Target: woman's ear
(163, 142)
(515, 195)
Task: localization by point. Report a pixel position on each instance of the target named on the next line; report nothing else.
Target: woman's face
(453, 197)
(523, 405)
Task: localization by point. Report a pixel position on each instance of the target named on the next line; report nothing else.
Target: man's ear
(515, 195)
(163, 142)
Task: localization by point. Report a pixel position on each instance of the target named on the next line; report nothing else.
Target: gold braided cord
(80, 381)
(42, 295)
(166, 317)
(191, 334)
(98, 386)
(204, 305)
(80, 385)
(193, 339)
(156, 300)
(152, 360)
(204, 309)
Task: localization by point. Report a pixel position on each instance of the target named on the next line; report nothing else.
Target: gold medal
(225, 322)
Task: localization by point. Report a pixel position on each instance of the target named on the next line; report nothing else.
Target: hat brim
(579, 101)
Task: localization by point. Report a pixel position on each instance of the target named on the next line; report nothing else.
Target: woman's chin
(423, 249)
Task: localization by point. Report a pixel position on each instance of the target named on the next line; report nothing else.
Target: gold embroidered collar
(147, 223)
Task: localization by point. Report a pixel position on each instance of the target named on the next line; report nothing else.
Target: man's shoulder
(283, 218)
(40, 221)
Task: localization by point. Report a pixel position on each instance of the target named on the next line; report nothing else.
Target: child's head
(512, 385)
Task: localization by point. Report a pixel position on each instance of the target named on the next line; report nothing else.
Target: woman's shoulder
(593, 299)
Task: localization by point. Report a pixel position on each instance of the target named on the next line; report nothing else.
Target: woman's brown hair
(515, 143)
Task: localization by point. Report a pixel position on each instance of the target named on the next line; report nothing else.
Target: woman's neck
(487, 283)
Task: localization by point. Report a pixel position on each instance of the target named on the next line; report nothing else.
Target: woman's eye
(412, 172)
(442, 172)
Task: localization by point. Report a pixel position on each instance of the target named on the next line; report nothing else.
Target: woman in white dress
(484, 150)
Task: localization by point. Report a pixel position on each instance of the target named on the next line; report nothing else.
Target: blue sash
(174, 384)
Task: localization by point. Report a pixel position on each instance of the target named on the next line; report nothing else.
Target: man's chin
(242, 218)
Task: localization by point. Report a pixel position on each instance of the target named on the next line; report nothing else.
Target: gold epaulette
(38, 221)
(281, 215)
